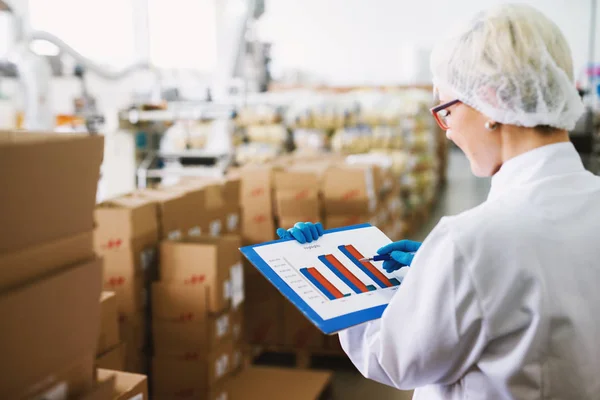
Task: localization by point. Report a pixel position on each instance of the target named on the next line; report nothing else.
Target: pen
(379, 257)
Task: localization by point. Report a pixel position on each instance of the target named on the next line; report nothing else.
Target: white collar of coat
(539, 163)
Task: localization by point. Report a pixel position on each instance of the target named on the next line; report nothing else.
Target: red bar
(356, 254)
(323, 281)
(340, 267)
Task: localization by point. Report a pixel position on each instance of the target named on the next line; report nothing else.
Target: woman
(501, 301)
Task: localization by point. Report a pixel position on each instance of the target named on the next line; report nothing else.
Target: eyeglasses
(440, 113)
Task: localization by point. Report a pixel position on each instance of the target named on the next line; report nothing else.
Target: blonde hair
(514, 65)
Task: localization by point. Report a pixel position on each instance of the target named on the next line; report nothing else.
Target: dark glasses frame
(441, 107)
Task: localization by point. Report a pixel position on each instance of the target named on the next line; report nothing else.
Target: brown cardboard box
(30, 263)
(181, 319)
(109, 322)
(173, 212)
(113, 358)
(133, 329)
(298, 331)
(302, 203)
(256, 187)
(289, 222)
(237, 357)
(47, 324)
(132, 296)
(137, 257)
(74, 378)
(169, 336)
(124, 218)
(258, 226)
(199, 260)
(191, 371)
(261, 383)
(338, 221)
(128, 386)
(62, 171)
(350, 189)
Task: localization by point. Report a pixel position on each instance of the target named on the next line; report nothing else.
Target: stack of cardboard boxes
(126, 236)
(50, 279)
(196, 324)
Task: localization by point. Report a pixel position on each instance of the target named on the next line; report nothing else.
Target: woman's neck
(519, 140)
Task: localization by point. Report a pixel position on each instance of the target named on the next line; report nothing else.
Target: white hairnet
(512, 64)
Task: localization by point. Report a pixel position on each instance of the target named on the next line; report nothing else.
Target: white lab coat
(501, 301)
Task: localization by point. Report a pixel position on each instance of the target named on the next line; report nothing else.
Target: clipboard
(325, 279)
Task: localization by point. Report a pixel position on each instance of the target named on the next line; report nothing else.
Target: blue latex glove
(303, 232)
(402, 254)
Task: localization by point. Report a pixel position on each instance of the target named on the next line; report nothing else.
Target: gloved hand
(303, 232)
(402, 254)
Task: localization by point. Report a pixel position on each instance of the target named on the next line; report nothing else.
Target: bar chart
(327, 276)
(368, 268)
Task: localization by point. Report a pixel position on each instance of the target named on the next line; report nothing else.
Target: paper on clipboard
(326, 280)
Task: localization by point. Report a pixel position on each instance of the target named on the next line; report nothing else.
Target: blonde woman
(501, 301)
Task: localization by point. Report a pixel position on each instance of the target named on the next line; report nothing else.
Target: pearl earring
(490, 126)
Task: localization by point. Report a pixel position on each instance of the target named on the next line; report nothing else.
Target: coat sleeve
(432, 331)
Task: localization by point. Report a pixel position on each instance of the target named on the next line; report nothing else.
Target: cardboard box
(289, 222)
(113, 358)
(109, 322)
(134, 331)
(205, 260)
(120, 220)
(180, 336)
(264, 322)
(173, 212)
(138, 258)
(350, 189)
(298, 331)
(339, 221)
(191, 371)
(302, 203)
(258, 226)
(127, 386)
(130, 290)
(256, 187)
(181, 318)
(47, 324)
(71, 380)
(260, 383)
(27, 264)
(48, 187)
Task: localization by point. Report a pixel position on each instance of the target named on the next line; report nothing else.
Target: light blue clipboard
(329, 326)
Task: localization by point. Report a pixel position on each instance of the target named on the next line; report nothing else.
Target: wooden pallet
(297, 358)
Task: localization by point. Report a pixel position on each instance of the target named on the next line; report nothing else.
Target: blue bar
(362, 267)
(395, 281)
(315, 282)
(371, 288)
(340, 275)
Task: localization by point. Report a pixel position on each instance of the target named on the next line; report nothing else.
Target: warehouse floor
(463, 191)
